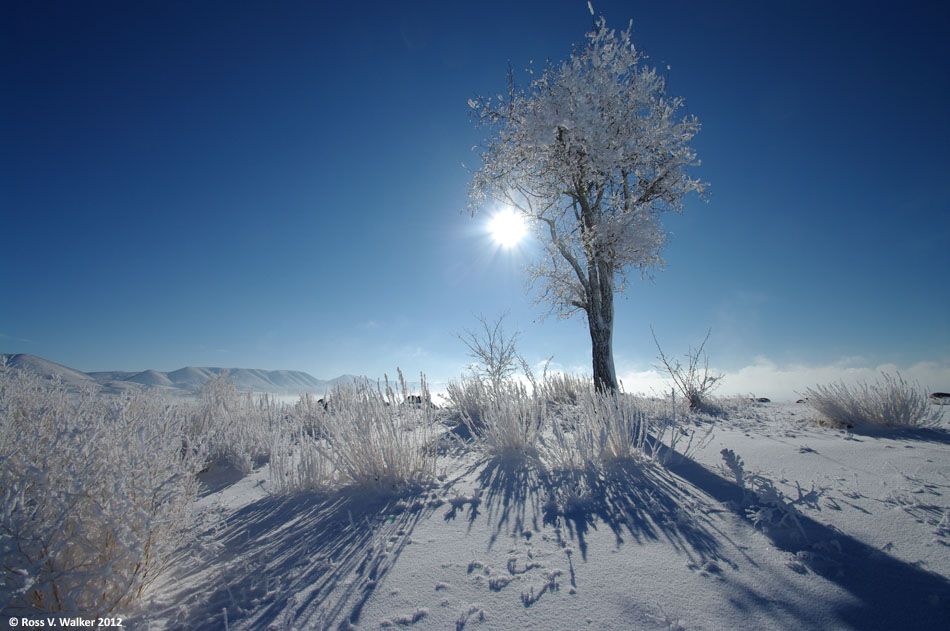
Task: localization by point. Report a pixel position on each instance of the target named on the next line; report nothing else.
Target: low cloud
(766, 378)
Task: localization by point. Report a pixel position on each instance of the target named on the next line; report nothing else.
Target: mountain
(50, 370)
(151, 378)
(182, 382)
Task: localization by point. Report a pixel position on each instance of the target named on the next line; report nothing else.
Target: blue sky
(280, 185)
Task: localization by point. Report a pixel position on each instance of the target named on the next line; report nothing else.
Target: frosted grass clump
(376, 439)
(609, 427)
(228, 426)
(511, 420)
(298, 463)
(469, 397)
(565, 388)
(95, 495)
(368, 436)
(309, 413)
(889, 403)
(566, 425)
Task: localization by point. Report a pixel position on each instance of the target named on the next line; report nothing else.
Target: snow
(810, 527)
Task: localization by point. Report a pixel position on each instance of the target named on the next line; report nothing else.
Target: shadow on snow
(648, 503)
(304, 561)
(890, 593)
(640, 502)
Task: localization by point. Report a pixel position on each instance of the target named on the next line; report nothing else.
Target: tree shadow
(304, 561)
(644, 503)
(891, 593)
(641, 504)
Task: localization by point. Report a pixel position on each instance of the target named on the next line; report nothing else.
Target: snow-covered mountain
(184, 381)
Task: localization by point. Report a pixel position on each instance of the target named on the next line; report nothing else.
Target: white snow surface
(828, 530)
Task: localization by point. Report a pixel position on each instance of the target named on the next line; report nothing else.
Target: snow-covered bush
(565, 388)
(468, 397)
(227, 426)
(495, 352)
(609, 427)
(298, 462)
(496, 360)
(511, 420)
(374, 439)
(694, 380)
(891, 403)
(309, 413)
(95, 495)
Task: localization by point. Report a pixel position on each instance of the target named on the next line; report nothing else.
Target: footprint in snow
(406, 619)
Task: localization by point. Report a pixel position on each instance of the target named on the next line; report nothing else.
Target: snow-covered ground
(772, 523)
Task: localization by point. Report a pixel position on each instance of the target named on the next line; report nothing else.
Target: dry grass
(891, 403)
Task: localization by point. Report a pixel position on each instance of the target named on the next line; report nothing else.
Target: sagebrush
(376, 438)
(96, 495)
(889, 402)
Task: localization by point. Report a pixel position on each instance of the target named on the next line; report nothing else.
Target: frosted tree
(593, 152)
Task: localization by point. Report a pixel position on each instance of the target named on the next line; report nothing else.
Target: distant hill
(50, 370)
(183, 382)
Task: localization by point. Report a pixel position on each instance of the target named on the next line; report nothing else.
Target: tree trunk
(602, 344)
(605, 377)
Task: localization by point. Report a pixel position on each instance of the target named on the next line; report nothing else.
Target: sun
(507, 228)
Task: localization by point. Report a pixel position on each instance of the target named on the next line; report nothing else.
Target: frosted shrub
(298, 463)
(694, 380)
(309, 414)
(510, 422)
(469, 398)
(232, 427)
(564, 388)
(374, 439)
(496, 353)
(95, 495)
(610, 427)
(891, 403)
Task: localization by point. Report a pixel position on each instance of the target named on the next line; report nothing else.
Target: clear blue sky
(281, 184)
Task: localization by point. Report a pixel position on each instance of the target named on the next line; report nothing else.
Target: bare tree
(495, 352)
(593, 152)
(694, 381)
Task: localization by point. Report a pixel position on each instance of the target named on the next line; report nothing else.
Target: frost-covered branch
(694, 380)
(496, 353)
